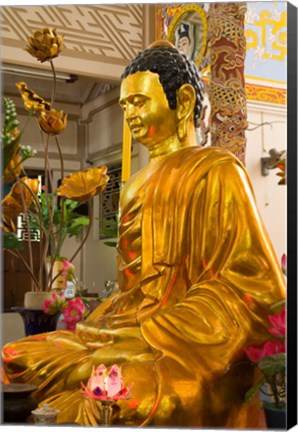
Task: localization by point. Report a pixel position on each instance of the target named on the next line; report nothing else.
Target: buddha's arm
(238, 276)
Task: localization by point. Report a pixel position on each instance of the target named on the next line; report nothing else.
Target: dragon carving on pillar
(227, 49)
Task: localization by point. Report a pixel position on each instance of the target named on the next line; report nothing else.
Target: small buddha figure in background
(197, 275)
(184, 38)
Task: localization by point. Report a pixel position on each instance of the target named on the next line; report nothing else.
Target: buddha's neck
(172, 144)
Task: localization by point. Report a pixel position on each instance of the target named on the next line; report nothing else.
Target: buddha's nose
(130, 111)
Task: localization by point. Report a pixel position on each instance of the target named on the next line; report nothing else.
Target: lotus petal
(13, 169)
(12, 204)
(83, 185)
(52, 122)
(32, 102)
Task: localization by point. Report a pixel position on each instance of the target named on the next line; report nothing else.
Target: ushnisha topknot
(174, 70)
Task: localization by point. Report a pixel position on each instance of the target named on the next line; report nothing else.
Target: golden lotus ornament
(52, 122)
(84, 185)
(20, 196)
(32, 101)
(13, 169)
(45, 45)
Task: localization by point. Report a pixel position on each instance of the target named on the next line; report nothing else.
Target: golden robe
(198, 273)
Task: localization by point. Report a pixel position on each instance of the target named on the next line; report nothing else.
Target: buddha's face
(146, 108)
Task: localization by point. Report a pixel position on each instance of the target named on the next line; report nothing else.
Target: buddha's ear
(186, 98)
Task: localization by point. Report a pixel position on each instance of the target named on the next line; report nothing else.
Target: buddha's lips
(134, 127)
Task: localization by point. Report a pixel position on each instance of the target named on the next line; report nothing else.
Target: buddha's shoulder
(198, 155)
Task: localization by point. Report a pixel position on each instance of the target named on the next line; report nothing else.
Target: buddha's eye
(139, 101)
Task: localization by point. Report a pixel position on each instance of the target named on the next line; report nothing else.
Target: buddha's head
(160, 88)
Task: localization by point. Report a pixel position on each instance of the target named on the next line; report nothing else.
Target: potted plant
(71, 304)
(270, 360)
(39, 206)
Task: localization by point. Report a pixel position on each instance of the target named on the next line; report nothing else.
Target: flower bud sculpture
(45, 45)
(52, 122)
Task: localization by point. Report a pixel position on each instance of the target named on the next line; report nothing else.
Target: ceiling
(76, 90)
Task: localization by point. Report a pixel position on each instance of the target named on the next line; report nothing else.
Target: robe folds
(197, 275)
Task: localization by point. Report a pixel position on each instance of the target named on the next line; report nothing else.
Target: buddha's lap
(166, 381)
(65, 351)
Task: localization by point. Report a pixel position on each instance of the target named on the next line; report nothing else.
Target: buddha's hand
(121, 344)
(108, 336)
(96, 335)
(111, 346)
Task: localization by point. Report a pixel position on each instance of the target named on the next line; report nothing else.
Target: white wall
(12, 327)
(271, 197)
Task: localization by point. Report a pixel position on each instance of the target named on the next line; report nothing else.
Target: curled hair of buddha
(174, 70)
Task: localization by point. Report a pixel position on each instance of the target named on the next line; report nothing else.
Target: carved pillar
(227, 48)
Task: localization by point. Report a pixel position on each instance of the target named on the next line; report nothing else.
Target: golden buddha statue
(197, 275)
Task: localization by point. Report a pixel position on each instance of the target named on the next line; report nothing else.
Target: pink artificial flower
(284, 263)
(279, 324)
(73, 312)
(273, 347)
(54, 304)
(254, 353)
(68, 270)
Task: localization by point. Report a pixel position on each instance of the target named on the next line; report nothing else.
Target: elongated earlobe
(185, 107)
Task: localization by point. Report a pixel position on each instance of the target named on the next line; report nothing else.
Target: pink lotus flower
(54, 304)
(273, 347)
(106, 384)
(73, 312)
(256, 354)
(278, 322)
(270, 360)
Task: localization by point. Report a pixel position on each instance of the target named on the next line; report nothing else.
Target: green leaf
(253, 390)
(110, 243)
(110, 232)
(277, 307)
(71, 205)
(272, 365)
(80, 222)
(10, 241)
(109, 228)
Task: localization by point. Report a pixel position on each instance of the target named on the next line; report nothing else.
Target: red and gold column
(227, 49)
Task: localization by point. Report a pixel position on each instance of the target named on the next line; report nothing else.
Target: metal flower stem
(60, 235)
(50, 206)
(18, 253)
(106, 412)
(54, 82)
(28, 229)
(90, 212)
